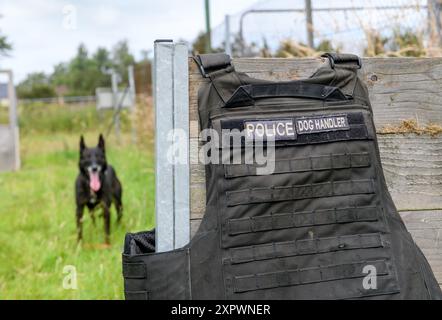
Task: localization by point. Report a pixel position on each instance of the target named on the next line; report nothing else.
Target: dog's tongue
(94, 181)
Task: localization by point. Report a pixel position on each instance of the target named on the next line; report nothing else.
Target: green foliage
(408, 42)
(122, 58)
(36, 85)
(199, 44)
(81, 75)
(5, 46)
(403, 43)
(52, 118)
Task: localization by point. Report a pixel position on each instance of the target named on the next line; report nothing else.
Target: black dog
(97, 184)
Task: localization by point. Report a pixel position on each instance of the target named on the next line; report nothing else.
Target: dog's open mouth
(94, 181)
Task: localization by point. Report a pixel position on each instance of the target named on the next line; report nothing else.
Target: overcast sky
(45, 32)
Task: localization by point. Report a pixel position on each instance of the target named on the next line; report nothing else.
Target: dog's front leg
(106, 216)
(79, 217)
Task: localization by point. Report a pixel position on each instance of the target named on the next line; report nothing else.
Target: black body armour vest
(320, 225)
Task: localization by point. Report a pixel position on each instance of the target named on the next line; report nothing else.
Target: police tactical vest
(320, 225)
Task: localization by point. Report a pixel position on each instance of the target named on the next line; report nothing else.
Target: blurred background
(84, 67)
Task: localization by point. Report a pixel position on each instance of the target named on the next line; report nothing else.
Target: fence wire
(364, 27)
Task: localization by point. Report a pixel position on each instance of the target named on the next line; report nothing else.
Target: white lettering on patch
(280, 129)
(322, 124)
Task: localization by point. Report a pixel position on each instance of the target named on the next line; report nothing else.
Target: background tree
(5, 45)
(36, 85)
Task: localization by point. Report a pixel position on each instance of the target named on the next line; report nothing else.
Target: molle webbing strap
(247, 94)
(211, 62)
(134, 270)
(137, 295)
(304, 247)
(307, 275)
(301, 219)
(346, 59)
(313, 163)
(297, 192)
(218, 68)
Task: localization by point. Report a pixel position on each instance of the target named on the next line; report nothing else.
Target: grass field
(37, 209)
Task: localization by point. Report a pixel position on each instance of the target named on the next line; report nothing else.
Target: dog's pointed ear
(82, 144)
(101, 142)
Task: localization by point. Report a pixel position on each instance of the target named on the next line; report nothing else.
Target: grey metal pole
(13, 119)
(133, 97)
(208, 28)
(115, 103)
(309, 23)
(228, 45)
(435, 22)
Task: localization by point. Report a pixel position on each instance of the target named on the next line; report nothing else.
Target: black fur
(109, 192)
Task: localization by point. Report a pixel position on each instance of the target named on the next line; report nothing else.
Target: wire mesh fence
(365, 27)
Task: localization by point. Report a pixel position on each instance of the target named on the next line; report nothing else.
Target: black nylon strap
(307, 275)
(313, 163)
(305, 247)
(278, 221)
(137, 295)
(343, 58)
(247, 94)
(211, 62)
(297, 192)
(134, 270)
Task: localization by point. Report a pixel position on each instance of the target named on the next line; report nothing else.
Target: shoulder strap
(343, 59)
(218, 68)
(211, 62)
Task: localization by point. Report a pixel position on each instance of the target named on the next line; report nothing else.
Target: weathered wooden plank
(426, 229)
(413, 170)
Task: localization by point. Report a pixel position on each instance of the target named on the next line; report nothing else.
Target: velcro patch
(316, 124)
(280, 129)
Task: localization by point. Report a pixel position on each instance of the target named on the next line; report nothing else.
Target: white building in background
(344, 28)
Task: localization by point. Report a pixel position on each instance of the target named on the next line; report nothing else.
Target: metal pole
(133, 97)
(435, 22)
(228, 46)
(208, 35)
(172, 165)
(13, 119)
(309, 23)
(115, 103)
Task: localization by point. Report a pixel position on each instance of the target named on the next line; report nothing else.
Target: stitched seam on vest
(307, 191)
(303, 219)
(317, 163)
(307, 275)
(134, 270)
(304, 247)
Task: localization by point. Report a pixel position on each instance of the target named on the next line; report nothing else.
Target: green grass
(37, 214)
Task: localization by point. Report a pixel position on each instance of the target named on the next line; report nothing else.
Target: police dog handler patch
(322, 124)
(288, 129)
(281, 129)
